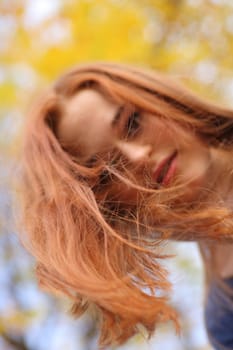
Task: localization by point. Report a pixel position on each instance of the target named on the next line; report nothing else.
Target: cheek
(162, 133)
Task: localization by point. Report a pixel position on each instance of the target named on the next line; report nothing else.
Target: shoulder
(219, 314)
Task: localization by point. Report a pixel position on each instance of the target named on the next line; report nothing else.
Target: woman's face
(170, 154)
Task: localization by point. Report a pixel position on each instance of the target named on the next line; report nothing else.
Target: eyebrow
(117, 116)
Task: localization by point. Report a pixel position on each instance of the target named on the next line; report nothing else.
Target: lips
(165, 170)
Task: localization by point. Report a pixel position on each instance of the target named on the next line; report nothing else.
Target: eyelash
(133, 124)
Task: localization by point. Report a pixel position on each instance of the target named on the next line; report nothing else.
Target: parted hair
(103, 254)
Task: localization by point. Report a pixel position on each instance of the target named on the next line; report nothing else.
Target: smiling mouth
(166, 170)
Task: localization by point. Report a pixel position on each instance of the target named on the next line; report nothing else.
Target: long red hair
(99, 252)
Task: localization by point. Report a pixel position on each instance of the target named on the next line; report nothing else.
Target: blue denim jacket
(219, 316)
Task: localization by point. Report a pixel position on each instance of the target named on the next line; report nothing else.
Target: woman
(116, 161)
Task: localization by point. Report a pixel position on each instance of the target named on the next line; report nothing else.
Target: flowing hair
(103, 254)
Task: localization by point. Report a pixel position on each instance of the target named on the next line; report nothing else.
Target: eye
(91, 162)
(133, 124)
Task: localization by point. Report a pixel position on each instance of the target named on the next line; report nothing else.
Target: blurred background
(191, 39)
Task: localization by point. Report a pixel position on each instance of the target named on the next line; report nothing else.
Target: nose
(133, 151)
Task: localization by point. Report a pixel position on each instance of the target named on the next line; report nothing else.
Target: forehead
(87, 122)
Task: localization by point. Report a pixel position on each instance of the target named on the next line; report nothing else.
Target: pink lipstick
(166, 169)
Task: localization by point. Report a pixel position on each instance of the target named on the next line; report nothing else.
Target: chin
(195, 190)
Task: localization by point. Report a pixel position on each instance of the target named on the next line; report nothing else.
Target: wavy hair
(99, 252)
